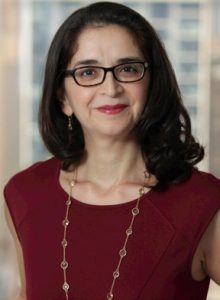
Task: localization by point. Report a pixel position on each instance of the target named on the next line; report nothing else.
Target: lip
(112, 109)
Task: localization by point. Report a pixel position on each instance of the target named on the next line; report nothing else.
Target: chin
(116, 133)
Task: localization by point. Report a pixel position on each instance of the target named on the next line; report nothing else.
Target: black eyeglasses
(93, 75)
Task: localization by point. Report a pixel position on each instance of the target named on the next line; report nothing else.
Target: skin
(113, 164)
(83, 102)
(107, 137)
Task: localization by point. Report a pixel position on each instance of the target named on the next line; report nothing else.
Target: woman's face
(93, 106)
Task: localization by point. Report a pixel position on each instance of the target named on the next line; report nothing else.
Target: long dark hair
(164, 130)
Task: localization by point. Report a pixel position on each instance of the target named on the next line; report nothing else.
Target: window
(189, 67)
(189, 45)
(193, 6)
(160, 10)
(187, 89)
(189, 24)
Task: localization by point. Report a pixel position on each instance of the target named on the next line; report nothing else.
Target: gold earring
(146, 174)
(146, 177)
(70, 127)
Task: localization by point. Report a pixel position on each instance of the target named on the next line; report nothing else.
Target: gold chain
(122, 252)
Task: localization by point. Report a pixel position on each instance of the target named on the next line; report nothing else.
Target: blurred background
(190, 31)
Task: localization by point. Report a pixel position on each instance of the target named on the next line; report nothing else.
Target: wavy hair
(164, 129)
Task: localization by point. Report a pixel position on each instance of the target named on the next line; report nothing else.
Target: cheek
(145, 89)
(141, 94)
(80, 96)
(140, 98)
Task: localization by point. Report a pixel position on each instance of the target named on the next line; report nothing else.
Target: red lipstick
(112, 109)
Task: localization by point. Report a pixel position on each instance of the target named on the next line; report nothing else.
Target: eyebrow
(86, 62)
(96, 62)
(129, 59)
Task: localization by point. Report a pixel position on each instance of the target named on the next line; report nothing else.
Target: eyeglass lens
(91, 75)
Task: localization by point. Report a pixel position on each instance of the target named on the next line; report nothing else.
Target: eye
(130, 68)
(87, 72)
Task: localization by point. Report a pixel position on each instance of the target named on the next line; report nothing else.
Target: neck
(112, 163)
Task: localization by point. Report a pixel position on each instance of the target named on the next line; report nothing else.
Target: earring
(146, 174)
(146, 177)
(70, 127)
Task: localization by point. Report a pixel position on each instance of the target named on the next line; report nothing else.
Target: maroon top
(158, 263)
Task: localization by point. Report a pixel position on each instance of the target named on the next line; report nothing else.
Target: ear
(66, 106)
(64, 102)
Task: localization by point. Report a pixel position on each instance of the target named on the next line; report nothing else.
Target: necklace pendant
(110, 296)
(66, 222)
(122, 252)
(64, 264)
(116, 274)
(66, 286)
(72, 183)
(129, 231)
(68, 202)
(142, 191)
(64, 243)
(135, 211)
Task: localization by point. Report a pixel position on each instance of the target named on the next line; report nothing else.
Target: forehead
(106, 43)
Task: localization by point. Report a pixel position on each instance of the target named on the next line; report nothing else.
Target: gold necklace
(122, 253)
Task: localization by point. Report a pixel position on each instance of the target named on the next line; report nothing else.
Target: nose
(111, 86)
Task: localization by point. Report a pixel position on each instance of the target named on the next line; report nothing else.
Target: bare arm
(21, 295)
(211, 249)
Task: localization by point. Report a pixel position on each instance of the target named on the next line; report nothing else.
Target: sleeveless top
(159, 252)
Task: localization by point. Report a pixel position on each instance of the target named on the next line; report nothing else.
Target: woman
(120, 211)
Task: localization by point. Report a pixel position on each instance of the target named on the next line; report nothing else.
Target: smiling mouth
(112, 109)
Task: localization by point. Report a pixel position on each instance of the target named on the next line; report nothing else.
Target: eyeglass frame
(71, 72)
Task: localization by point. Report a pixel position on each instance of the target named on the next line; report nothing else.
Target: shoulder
(203, 182)
(190, 206)
(201, 187)
(38, 173)
(25, 189)
(210, 245)
(200, 183)
(201, 192)
(40, 170)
